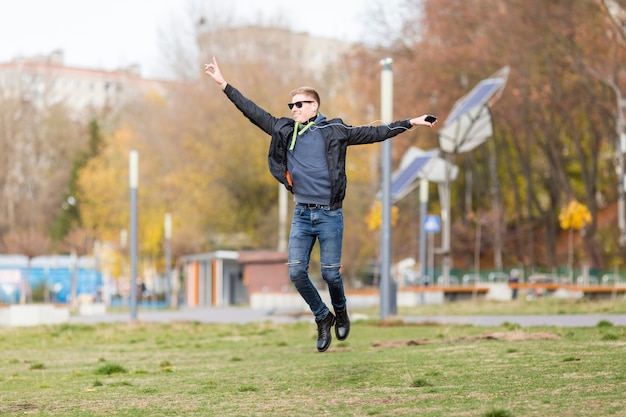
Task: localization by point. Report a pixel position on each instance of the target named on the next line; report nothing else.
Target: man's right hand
(213, 71)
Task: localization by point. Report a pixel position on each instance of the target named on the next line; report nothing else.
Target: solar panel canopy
(479, 96)
(417, 164)
(469, 130)
(469, 123)
(402, 181)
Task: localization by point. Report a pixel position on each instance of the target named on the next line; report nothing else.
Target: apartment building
(45, 80)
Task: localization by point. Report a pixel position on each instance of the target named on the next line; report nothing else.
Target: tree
(69, 216)
(550, 142)
(574, 216)
(36, 146)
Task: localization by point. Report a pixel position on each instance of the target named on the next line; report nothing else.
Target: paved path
(247, 315)
(202, 315)
(570, 320)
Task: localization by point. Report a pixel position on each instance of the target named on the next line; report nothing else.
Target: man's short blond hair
(307, 91)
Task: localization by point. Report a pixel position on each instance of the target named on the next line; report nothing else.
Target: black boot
(342, 326)
(323, 332)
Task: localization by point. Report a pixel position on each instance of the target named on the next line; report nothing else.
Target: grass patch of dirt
(515, 336)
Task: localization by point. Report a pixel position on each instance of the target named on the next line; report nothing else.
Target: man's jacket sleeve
(254, 113)
(370, 134)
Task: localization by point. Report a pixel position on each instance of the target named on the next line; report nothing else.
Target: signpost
(432, 224)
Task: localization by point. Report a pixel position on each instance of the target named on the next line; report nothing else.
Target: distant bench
(596, 292)
(464, 292)
(593, 292)
(454, 292)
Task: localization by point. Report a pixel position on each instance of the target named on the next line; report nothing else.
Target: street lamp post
(167, 231)
(387, 299)
(282, 218)
(133, 180)
(422, 252)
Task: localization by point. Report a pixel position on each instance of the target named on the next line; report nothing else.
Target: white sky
(110, 34)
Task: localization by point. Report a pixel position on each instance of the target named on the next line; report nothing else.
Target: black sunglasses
(298, 104)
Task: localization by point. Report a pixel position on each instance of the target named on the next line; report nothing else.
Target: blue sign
(432, 224)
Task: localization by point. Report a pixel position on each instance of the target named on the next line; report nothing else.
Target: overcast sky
(110, 34)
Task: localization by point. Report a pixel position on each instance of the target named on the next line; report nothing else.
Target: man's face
(306, 111)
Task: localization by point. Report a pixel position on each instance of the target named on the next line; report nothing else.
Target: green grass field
(266, 369)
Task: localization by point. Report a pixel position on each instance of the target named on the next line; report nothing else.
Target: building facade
(45, 80)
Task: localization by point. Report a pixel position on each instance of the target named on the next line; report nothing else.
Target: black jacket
(337, 136)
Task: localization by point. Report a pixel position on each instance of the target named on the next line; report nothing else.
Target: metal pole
(444, 189)
(167, 226)
(423, 212)
(282, 218)
(431, 258)
(620, 149)
(133, 180)
(497, 207)
(386, 111)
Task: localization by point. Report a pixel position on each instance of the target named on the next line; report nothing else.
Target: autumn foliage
(203, 162)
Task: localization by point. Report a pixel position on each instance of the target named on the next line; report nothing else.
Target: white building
(45, 80)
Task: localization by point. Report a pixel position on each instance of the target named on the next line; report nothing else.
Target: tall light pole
(167, 232)
(423, 213)
(133, 180)
(387, 299)
(282, 218)
(444, 193)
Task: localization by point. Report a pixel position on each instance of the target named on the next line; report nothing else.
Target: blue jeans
(325, 225)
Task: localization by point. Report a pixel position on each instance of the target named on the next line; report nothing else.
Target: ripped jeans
(326, 226)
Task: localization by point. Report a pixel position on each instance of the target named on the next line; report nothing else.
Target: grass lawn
(267, 369)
